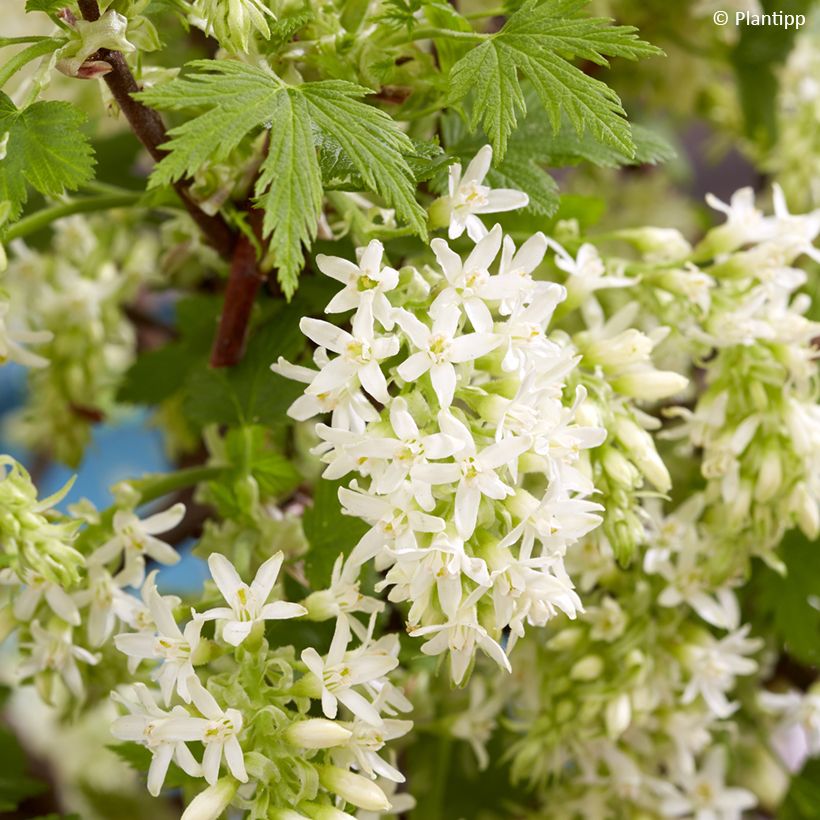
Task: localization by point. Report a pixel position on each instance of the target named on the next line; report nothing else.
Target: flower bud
(657, 244)
(769, 477)
(211, 803)
(327, 813)
(627, 348)
(619, 468)
(618, 715)
(565, 639)
(650, 385)
(587, 668)
(358, 790)
(321, 605)
(317, 733)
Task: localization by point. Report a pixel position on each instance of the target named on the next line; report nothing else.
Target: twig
(244, 281)
(150, 130)
(245, 278)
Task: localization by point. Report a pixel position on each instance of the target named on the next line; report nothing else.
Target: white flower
(405, 454)
(475, 472)
(470, 285)
(714, 665)
(12, 341)
(478, 722)
(461, 634)
(342, 596)
(217, 730)
(440, 347)
(468, 197)
(53, 650)
(135, 539)
(744, 222)
(797, 734)
(147, 724)
(340, 670)
(169, 644)
(107, 603)
(36, 587)
(349, 408)
(360, 749)
(366, 280)
(516, 268)
(394, 523)
(587, 272)
(797, 230)
(247, 604)
(705, 795)
(359, 355)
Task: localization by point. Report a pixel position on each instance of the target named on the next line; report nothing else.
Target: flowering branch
(150, 130)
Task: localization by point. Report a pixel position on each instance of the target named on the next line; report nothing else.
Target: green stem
(19, 41)
(152, 487)
(442, 33)
(26, 56)
(41, 219)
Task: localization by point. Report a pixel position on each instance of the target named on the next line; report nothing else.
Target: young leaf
(44, 147)
(240, 100)
(538, 41)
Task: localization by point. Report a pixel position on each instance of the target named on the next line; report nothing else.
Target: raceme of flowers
(448, 400)
(209, 677)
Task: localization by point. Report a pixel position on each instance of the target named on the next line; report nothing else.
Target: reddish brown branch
(149, 128)
(244, 281)
(245, 277)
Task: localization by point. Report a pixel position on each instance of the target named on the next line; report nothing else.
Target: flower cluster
(447, 400)
(262, 750)
(72, 297)
(63, 599)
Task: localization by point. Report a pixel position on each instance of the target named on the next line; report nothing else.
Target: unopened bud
(650, 385)
(587, 668)
(620, 469)
(317, 733)
(211, 803)
(770, 476)
(618, 715)
(358, 790)
(627, 348)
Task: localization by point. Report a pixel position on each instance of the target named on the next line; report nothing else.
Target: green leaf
(240, 101)
(568, 148)
(538, 41)
(293, 189)
(789, 602)
(802, 801)
(250, 393)
(45, 148)
(756, 59)
(15, 785)
(328, 531)
(158, 374)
